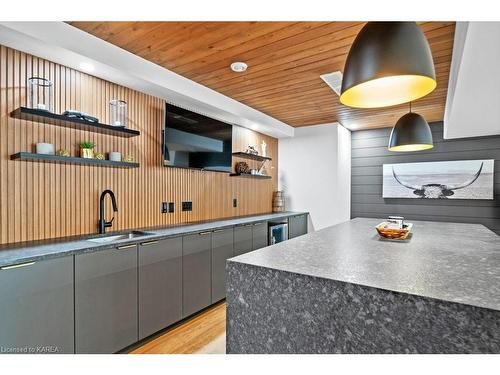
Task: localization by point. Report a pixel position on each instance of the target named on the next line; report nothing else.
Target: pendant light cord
(410, 107)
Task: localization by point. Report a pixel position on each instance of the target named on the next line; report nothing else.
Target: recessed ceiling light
(87, 67)
(239, 67)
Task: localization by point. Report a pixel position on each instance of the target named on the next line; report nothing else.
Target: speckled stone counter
(343, 290)
(53, 248)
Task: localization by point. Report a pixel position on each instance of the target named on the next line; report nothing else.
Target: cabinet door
(160, 285)
(36, 307)
(242, 239)
(196, 275)
(259, 235)
(106, 300)
(222, 249)
(297, 225)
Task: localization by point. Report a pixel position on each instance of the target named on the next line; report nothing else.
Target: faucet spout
(103, 224)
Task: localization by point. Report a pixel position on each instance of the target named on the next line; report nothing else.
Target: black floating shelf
(248, 175)
(46, 117)
(28, 156)
(251, 156)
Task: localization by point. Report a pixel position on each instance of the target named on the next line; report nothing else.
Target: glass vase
(40, 94)
(118, 112)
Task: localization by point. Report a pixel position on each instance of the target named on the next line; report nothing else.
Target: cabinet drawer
(222, 249)
(196, 275)
(106, 300)
(36, 307)
(160, 285)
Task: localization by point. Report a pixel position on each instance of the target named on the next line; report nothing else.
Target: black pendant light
(411, 133)
(389, 63)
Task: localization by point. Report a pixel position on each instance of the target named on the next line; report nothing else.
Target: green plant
(87, 144)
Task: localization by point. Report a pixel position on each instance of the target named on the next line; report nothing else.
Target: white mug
(115, 156)
(45, 148)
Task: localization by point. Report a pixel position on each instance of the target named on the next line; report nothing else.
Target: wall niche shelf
(28, 156)
(45, 117)
(248, 175)
(246, 155)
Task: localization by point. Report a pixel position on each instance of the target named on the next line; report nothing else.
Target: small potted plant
(87, 149)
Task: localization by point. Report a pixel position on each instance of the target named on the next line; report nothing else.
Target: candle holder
(40, 94)
(118, 112)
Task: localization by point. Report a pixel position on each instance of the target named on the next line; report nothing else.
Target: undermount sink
(119, 237)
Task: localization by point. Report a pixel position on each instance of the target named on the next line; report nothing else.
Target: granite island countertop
(453, 262)
(45, 249)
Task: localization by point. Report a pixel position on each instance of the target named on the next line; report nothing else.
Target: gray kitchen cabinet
(106, 300)
(259, 235)
(222, 249)
(297, 225)
(243, 239)
(196, 274)
(36, 307)
(160, 285)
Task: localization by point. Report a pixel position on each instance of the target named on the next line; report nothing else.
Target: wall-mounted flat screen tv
(191, 140)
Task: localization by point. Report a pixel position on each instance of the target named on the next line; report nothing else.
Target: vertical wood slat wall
(40, 201)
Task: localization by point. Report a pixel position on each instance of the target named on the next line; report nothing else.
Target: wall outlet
(187, 206)
(235, 202)
(171, 207)
(164, 208)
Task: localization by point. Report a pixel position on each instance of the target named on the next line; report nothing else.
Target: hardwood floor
(204, 333)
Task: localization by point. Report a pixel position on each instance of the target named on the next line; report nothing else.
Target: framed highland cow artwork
(463, 179)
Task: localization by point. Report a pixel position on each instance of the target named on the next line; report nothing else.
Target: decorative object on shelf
(389, 63)
(263, 147)
(63, 152)
(253, 172)
(465, 179)
(392, 231)
(99, 156)
(40, 94)
(128, 158)
(242, 167)
(115, 156)
(87, 150)
(45, 148)
(118, 112)
(80, 115)
(411, 133)
(251, 150)
(278, 201)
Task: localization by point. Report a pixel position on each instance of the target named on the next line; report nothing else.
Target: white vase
(45, 148)
(115, 156)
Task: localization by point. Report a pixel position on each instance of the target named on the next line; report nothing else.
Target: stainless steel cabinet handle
(126, 247)
(204, 233)
(218, 230)
(148, 243)
(17, 266)
(258, 223)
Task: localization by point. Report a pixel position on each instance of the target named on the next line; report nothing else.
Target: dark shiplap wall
(369, 153)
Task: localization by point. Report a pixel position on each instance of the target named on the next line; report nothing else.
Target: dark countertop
(448, 261)
(38, 250)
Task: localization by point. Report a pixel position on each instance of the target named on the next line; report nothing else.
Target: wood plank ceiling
(285, 62)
